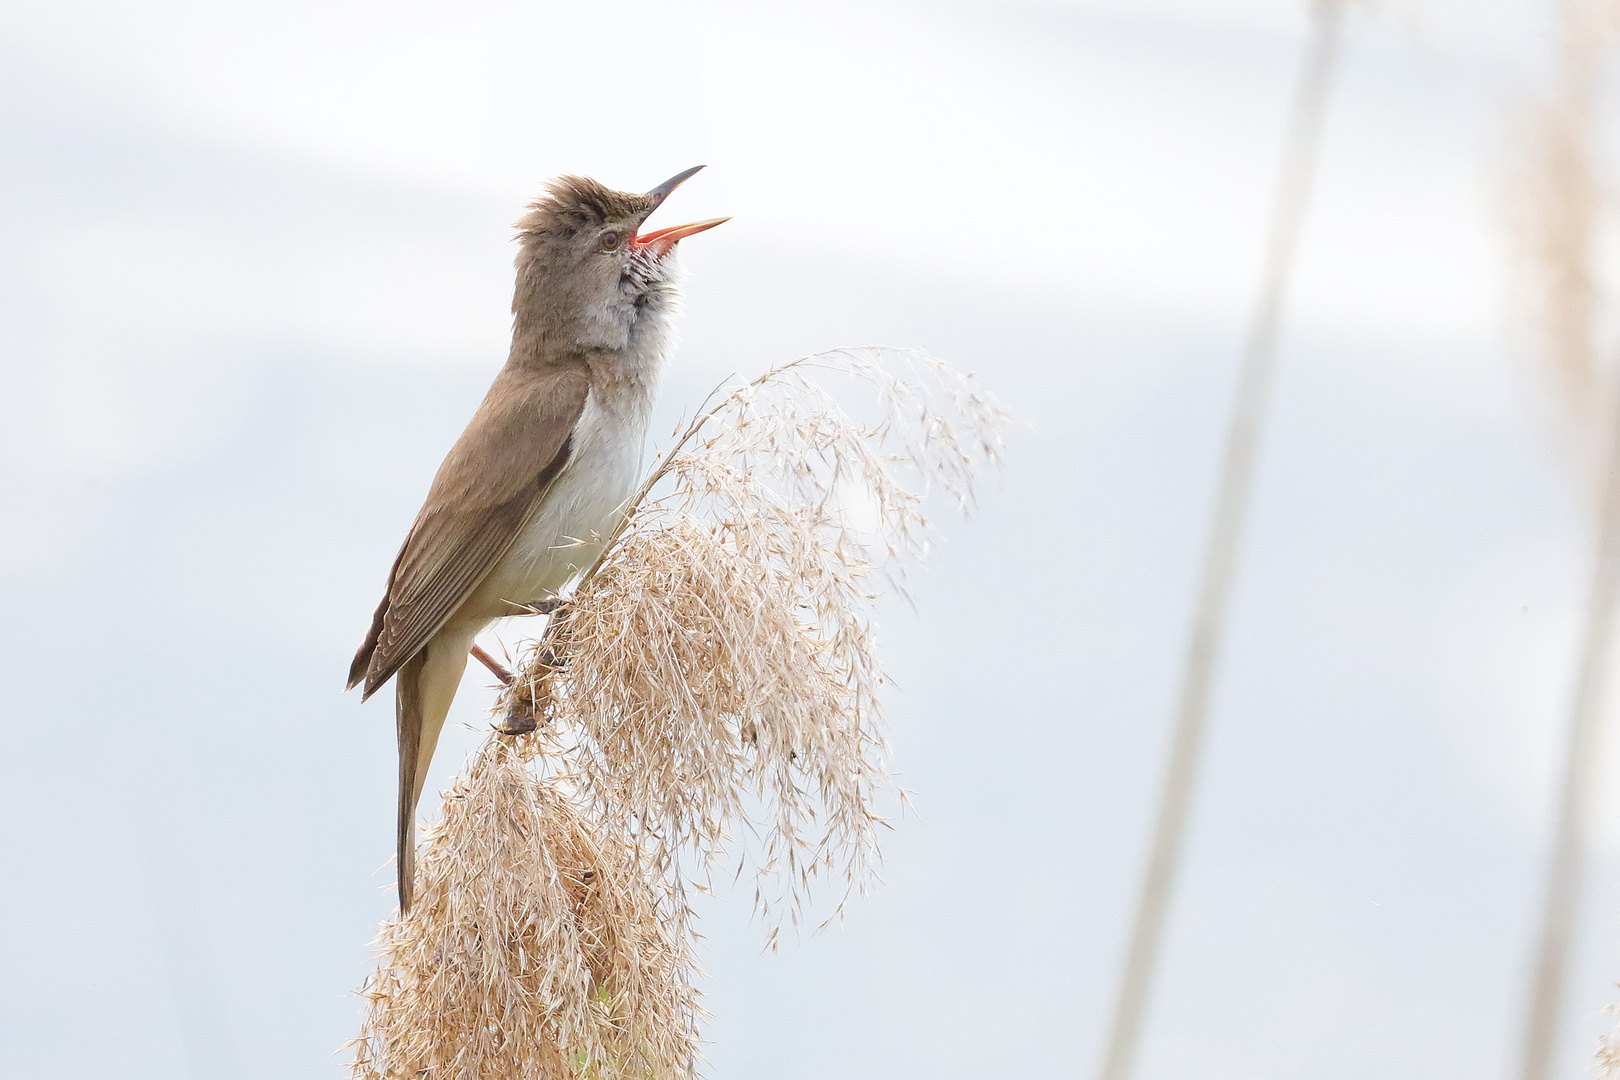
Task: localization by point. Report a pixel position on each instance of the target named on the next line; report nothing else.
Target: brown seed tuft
(713, 676)
(536, 948)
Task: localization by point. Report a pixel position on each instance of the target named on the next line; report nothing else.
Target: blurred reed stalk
(712, 677)
(1560, 917)
(1292, 194)
(1558, 227)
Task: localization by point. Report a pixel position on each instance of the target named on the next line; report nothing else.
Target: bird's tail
(423, 690)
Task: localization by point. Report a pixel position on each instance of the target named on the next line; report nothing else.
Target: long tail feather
(424, 689)
(408, 718)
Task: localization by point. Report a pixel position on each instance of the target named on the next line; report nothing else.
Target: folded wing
(492, 481)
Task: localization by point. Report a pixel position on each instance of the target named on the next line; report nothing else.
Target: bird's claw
(516, 722)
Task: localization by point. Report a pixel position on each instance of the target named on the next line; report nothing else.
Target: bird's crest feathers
(576, 202)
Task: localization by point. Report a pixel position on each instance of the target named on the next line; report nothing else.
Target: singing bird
(541, 475)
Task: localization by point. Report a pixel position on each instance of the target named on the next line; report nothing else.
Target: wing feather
(491, 482)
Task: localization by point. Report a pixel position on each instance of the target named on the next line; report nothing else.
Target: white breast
(579, 510)
(583, 504)
(605, 465)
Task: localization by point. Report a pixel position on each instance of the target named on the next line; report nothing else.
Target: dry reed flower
(536, 950)
(715, 671)
(1556, 209)
(1607, 1057)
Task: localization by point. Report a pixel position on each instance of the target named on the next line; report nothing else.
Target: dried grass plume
(536, 949)
(1607, 1058)
(716, 670)
(1557, 209)
(707, 696)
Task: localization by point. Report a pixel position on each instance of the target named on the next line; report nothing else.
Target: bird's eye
(609, 241)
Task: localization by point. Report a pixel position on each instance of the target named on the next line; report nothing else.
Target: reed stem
(1259, 364)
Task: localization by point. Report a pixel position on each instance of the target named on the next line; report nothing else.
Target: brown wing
(491, 481)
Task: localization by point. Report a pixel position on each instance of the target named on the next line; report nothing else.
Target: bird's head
(587, 274)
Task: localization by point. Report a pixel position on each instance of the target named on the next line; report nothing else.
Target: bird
(545, 468)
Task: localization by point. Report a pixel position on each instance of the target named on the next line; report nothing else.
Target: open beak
(664, 240)
(661, 192)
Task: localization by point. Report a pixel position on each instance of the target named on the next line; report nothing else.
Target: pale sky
(256, 275)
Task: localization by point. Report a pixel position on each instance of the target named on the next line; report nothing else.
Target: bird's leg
(493, 664)
(549, 655)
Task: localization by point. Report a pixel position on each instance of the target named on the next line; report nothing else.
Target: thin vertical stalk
(1565, 214)
(1561, 911)
(1259, 364)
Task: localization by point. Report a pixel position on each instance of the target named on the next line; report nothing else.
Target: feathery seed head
(718, 674)
(536, 950)
(712, 679)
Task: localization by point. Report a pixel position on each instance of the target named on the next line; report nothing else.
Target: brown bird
(541, 475)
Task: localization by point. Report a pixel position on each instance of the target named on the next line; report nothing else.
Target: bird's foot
(516, 722)
(523, 711)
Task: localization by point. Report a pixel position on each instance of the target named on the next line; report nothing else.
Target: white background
(255, 275)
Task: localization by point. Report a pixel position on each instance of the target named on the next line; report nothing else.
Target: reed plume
(708, 692)
(536, 948)
(719, 660)
(1557, 209)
